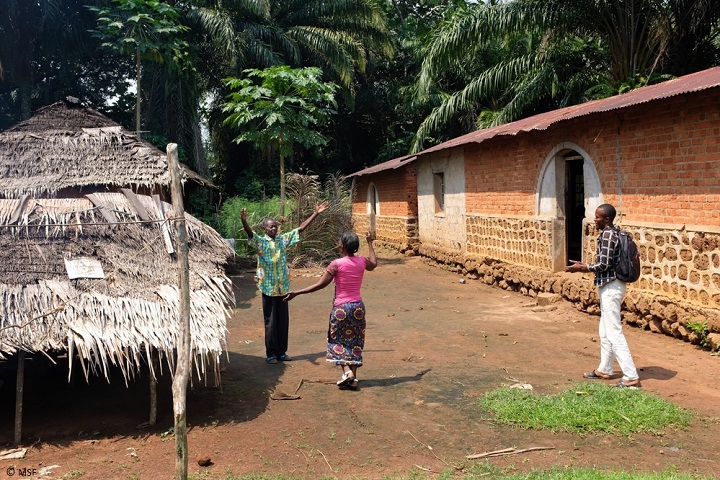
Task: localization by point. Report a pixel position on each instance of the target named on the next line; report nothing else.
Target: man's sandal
(628, 384)
(594, 375)
(347, 377)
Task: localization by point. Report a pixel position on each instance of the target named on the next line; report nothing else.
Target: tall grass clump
(319, 241)
(586, 408)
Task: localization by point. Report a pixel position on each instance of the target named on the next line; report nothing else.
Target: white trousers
(612, 340)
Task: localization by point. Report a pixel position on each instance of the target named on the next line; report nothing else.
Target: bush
(231, 223)
(319, 242)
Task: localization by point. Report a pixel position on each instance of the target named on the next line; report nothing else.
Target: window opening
(439, 191)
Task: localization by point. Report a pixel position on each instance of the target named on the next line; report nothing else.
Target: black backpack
(628, 266)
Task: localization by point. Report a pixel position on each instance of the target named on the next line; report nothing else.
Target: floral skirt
(346, 334)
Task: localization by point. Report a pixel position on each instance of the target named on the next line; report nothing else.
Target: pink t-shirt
(348, 273)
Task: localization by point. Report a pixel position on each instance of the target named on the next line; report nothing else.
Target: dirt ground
(434, 345)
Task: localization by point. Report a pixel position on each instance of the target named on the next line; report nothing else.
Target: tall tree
(279, 107)
(342, 37)
(146, 29)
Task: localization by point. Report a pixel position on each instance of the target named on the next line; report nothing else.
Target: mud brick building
(512, 205)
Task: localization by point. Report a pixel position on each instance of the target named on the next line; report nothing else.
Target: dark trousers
(277, 321)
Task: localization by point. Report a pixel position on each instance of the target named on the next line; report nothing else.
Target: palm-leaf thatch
(118, 319)
(65, 146)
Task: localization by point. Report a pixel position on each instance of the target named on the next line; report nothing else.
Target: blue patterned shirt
(272, 271)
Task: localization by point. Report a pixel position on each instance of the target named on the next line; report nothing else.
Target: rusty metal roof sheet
(389, 165)
(694, 82)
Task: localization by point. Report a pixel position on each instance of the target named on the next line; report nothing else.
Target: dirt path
(434, 346)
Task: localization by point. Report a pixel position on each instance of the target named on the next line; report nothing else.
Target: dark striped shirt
(606, 256)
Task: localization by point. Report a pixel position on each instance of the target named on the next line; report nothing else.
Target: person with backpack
(611, 291)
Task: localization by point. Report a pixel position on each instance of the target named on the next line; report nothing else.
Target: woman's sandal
(347, 377)
(596, 376)
(354, 384)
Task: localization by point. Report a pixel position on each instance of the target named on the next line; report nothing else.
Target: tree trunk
(138, 77)
(182, 369)
(282, 185)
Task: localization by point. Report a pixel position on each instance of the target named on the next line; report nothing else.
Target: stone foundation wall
(398, 233)
(517, 241)
(645, 310)
(682, 264)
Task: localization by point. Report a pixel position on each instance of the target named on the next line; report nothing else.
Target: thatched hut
(88, 256)
(66, 148)
(97, 278)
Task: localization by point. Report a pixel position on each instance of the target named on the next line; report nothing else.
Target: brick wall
(396, 222)
(658, 162)
(397, 191)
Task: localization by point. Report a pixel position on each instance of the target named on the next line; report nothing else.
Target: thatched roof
(115, 319)
(68, 146)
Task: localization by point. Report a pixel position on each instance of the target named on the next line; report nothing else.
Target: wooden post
(153, 389)
(19, 383)
(182, 369)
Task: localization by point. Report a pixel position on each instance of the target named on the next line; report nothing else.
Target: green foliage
(256, 187)
(525, 57)
(161, 142)
(280, 106)
(586, 408)
(47, 54)
(200, 204)
(230, 225)
(700, 329)
(320, 239)
(606, 89)
(149, 28)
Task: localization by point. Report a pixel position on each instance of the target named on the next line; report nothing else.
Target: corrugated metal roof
(389, 165)
(694, 82)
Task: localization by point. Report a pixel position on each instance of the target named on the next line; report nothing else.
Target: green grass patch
(559, 473)
(484, 471)
(586, 408)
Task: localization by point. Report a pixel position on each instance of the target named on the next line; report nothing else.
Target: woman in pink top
(346, 334)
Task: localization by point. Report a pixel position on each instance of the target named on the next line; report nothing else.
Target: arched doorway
(568, 192)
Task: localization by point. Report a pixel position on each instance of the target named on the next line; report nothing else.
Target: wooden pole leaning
(182, 369)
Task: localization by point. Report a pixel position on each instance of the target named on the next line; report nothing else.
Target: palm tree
(339, 36)
(147, 29)
(554, 51)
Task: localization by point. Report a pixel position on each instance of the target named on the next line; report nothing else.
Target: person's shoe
(347, 378)
(271, 359)
(595, 375)
(354, 384)
(628, 383)
(284, 358)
